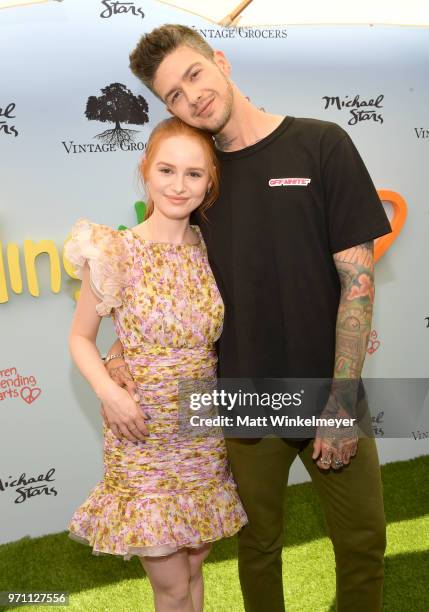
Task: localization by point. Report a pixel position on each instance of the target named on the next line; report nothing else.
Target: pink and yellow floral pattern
(172, 490)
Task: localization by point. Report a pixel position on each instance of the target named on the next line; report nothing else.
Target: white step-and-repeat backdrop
(60, 159)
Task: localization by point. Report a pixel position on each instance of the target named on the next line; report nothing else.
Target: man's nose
(193, 95)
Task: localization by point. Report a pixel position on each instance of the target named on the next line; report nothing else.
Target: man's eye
(175, 96)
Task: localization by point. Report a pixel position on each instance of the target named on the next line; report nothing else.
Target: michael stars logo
(117, 8)
(5, 114)
(285, 182)
(360, 109)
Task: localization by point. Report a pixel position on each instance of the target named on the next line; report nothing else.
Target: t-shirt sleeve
(355, 213)
(106, 252)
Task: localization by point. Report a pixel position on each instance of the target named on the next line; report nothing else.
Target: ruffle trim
(104, 249)
(159, 524)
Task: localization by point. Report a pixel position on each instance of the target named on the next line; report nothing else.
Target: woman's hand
(122, 414)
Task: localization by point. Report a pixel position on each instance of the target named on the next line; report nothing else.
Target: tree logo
(117, 105)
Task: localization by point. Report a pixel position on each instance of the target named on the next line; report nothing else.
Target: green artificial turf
(107, 583)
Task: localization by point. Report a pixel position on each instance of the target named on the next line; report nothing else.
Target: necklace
(150, 237)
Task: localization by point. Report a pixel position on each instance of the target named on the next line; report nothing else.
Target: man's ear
(221, 61)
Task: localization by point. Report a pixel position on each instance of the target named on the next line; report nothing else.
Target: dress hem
(154, 551)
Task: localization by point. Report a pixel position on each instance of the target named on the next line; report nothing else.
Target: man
(290, 241)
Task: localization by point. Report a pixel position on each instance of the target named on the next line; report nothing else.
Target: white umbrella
(13, 3)
(308, 12)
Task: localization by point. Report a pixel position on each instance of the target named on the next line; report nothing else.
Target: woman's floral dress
(172, 490)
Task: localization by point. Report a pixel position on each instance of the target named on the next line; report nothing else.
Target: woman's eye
(194, 74)
(195, 175)
(165, 170)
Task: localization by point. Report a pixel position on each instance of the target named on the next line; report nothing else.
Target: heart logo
(400, 208)
(30, 394)
(373, 343)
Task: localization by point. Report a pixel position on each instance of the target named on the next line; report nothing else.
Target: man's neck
(246, 125)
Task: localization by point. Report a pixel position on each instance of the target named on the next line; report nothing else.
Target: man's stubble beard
(226, 114)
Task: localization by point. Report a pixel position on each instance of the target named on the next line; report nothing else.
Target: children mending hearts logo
(13, 385)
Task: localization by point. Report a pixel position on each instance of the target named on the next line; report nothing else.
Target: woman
(164, 496)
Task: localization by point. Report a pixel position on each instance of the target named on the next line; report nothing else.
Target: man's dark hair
(153, 47)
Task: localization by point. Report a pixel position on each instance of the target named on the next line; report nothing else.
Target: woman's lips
(176, 200)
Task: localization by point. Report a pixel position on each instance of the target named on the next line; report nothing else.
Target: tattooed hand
(119, 372)
(335, 446)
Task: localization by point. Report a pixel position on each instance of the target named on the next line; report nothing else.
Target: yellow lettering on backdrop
(31, 251)
(70, 270)
(15, 275)
(4, 296)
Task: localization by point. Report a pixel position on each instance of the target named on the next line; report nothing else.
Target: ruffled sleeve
(108, 258)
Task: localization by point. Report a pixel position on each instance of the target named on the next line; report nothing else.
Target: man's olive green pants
(353, 506)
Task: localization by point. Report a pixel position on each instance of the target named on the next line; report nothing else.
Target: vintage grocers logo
(420, 435)
(360, 108)
(422, 133)
(7, 115)
(110, 9)
(248, 33)
(118, 106)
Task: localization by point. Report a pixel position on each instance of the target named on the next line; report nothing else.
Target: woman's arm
(82, 339)
(121, 411)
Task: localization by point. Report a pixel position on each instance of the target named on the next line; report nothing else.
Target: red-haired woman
(164, 496)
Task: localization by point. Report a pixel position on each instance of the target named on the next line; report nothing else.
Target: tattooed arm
(355, 268)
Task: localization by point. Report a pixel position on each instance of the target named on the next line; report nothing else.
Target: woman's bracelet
(113, 356)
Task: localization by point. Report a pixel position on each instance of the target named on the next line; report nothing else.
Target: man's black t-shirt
(286, 205)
